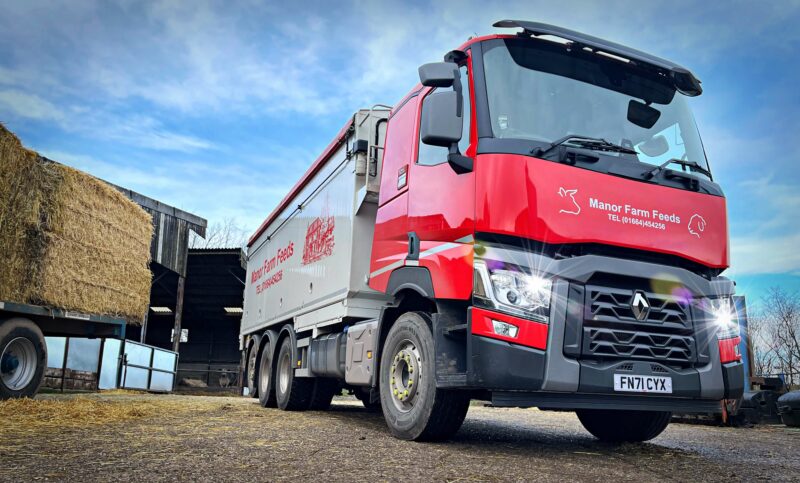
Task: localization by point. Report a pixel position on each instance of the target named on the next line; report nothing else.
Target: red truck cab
(547, 203)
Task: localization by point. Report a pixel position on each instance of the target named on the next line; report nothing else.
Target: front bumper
(560, 374)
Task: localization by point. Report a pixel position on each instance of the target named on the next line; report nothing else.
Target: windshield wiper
(690, 164)
(586, 142)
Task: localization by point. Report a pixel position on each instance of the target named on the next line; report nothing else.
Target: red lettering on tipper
(319, 240)
(272, 263)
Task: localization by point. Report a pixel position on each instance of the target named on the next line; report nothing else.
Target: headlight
(513, 290)
(725, 317)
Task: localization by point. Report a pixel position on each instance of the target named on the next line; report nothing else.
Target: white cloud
(214, 192)
(142, 131)
(770, 236)
(765, 255)
(29, 106)
(131, 72)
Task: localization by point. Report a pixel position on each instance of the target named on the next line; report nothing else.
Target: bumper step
(545, 400)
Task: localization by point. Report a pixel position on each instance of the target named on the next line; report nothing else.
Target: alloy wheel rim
(405, 373)
(18, 363)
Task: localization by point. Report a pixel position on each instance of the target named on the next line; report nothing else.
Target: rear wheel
(291, 393)
(266, 381)
(252, 367)
(413, 407)
(23, 357)
(624, 426)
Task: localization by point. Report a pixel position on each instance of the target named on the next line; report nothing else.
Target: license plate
(648, 384)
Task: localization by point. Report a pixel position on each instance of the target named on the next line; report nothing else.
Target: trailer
(23, 350)
(534, 224)
(76, 249)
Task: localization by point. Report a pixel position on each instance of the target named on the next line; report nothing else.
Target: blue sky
(218, 107)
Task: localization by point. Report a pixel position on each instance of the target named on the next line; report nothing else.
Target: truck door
(390, 242)
(441, 208)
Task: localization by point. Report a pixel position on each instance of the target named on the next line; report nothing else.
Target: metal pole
(100, 361)
(176, 343)
(143, 335)
(150, 370)
(64, 363)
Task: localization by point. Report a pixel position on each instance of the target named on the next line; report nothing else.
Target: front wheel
(624, 426)
(414, 408)
(23, 357)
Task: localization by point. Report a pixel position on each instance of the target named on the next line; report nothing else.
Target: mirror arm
(459, 95)
(461, 164)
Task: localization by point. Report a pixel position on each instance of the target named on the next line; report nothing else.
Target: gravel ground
(234, 439)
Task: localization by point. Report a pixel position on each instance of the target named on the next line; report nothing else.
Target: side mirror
(441, 125)
(438, 74)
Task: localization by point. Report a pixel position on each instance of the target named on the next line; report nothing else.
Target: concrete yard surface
(148, 437)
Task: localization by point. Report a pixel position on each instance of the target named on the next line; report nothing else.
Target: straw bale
(69, 239)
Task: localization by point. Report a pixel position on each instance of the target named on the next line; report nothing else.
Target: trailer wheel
(266, 383)
(324, 390)
(413, 407)
(23, 358)
(252, 366)
(624, 426)
(291, 393)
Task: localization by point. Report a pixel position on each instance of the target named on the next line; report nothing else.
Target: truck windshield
(540, 91)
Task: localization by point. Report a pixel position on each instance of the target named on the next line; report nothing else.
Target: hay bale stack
(69, 240)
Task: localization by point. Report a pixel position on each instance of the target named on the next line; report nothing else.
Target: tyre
(265, 377)
(624, 426)
(413, 407)
(23, 358)
(252, 367)
(364, 396)
(324, 390)
(291, 393)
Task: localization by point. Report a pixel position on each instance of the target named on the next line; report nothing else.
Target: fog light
(505, 329)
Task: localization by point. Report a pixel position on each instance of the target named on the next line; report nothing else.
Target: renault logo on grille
(640, 305)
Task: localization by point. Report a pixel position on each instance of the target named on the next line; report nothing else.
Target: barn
(209, 325)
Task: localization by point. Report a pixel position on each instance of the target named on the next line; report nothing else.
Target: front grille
(657, 368)
(612, 331)
(623, 344)
(614, 304)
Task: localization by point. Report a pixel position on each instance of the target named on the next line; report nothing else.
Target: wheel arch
(415, 279)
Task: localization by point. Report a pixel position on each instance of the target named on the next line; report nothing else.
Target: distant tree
(775, 335)
(223, 234)
(758, 337)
